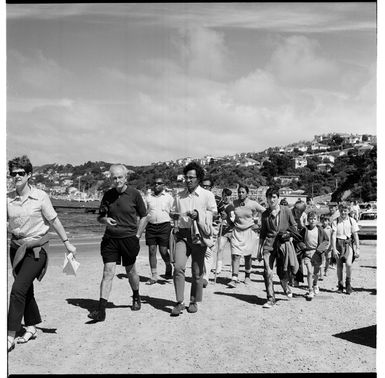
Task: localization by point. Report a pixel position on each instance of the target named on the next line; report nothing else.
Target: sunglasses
(20, 173)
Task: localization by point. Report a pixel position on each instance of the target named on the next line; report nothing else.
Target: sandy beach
(231, 332)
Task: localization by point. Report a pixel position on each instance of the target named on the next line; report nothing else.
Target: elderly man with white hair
(119, 210)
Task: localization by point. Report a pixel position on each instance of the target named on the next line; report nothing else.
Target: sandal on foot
(11, 345)
(28, 335)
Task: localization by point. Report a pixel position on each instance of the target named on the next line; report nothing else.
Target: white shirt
(29, 217)
(200, 199)
(344, 229)
(158, 207)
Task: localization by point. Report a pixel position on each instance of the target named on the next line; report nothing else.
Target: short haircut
(118, 166)
(312, 214)
(244, 186)
(284, 202)
(272, 190)
(325, 217)
(227, 191)
(198, 169)
(21, 162)
(343, 206)
(208, 178)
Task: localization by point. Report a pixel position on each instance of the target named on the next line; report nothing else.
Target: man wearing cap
(158, 228)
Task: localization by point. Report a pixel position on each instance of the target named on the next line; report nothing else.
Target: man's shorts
(315, 258)
(158, 234)
(121, 251)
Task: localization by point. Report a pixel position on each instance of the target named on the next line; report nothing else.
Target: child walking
(316, 243)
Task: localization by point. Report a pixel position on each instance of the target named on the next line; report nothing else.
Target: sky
(142, 83)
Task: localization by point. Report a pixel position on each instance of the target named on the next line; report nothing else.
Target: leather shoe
(98, 315)
(178, 309)
(192, 308)
(136, 305)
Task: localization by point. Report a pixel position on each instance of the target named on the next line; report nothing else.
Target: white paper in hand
(70, 265)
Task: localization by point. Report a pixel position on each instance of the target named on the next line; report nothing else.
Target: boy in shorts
(316, 243)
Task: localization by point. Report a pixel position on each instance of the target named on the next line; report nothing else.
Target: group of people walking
(192, 223)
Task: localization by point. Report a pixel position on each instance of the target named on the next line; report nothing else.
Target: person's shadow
(91, 305)
(158, 303)
(249, 298)
(124, 275)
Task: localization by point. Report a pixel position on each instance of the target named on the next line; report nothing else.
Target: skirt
(243, 242)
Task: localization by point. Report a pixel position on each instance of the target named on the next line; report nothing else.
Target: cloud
(297, 61)
(282, 17)
(36, 72)
(203, 52)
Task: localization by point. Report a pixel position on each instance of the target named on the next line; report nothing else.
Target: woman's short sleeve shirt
(29, 217)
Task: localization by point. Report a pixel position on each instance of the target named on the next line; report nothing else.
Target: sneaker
(340, 289)
(247, 281)
(316, 289)
(309, 295)
(151, 281)
(332, 267)
(289, 293)
(178, 309)
(232, 284)
(136, 305)
(270, 303)
(97, 315)
(192, 308)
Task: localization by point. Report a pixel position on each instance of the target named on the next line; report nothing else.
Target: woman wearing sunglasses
(29, 215)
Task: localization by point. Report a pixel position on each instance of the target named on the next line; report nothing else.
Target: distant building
(324, 167)
(300, 162)
(285, 180)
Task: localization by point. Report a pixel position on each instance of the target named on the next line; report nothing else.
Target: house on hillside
(285, 180)
(247, 162)
(300, 162)
(365, 147)
(324, 167)
(318, 147)
(302, 147)
(329, 157)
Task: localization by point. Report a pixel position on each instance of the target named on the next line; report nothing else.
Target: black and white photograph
(191, 188)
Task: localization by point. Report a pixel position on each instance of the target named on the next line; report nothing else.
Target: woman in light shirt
(244, 238)
(29, 215)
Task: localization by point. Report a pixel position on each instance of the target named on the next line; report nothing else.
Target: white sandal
(11, 344)
(28, 335)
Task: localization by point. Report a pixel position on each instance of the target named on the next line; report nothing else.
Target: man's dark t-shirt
(125, 208)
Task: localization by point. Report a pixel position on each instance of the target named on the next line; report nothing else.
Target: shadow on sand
(364, 336)
(158, 303)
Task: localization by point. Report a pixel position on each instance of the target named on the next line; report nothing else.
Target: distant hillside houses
(319, 145)
(285, 180)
